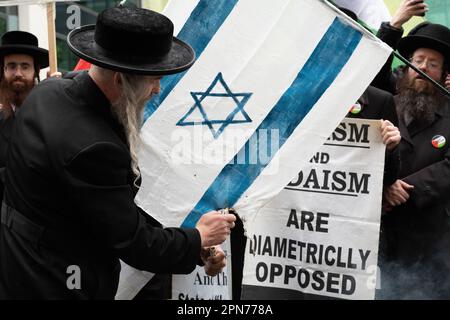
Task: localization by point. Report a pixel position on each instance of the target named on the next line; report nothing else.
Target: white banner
(319, 236)
(199, 286)
(372, 12)
(131, 281)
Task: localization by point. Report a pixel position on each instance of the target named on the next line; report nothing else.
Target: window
(8, 19)
(68, 15)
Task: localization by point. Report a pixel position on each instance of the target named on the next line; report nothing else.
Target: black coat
(415, 237)
(378, 104)
(69, 180)
(416, 228)
(5, 133)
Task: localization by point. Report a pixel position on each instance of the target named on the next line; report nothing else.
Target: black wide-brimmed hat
(21, 42)
(427, 35)
(132, 40)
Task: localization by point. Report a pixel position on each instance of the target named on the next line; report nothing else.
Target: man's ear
(117, 79)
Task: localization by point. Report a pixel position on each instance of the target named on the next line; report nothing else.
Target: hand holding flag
(215, 227)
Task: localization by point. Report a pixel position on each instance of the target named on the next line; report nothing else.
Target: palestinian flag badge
(356, 108)
(438, 141)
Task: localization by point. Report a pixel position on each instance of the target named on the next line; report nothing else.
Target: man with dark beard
(21, 58)
(415, 260)
(69, 213)
(20, 62)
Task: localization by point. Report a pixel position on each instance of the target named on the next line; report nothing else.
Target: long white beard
(129, 110)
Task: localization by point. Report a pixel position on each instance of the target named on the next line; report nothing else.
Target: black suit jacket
(69, 178)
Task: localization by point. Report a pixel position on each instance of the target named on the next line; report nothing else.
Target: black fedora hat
(21, 42)
(427, 35)
(132, 40)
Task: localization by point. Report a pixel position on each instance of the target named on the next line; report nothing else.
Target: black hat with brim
(134, 41)
(21, 42)
(427, 35)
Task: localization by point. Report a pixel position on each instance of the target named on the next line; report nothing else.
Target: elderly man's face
(19, 71)
(154, 86)
(429, 61)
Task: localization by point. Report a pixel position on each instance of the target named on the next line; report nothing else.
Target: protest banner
(319, 237)
(235, 128)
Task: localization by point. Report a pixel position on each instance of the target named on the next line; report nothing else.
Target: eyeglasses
(13, 67)
(431, 65)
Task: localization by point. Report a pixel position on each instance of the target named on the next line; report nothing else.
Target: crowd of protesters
(71, 202)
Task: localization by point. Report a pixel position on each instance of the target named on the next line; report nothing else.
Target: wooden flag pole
(53, 60)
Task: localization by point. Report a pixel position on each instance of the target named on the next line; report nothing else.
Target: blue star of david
(240, 99)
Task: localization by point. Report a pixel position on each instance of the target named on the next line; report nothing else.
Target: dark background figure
(391, 32)
(21, 59)
(415, 261)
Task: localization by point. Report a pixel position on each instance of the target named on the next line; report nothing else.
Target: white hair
(129, 112)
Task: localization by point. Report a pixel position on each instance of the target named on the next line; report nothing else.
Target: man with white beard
(69, 212)
(415, 237)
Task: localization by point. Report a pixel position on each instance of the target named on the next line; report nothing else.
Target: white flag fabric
(271, 82)
(372, 12)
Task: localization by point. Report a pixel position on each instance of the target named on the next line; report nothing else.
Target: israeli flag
(271, 82)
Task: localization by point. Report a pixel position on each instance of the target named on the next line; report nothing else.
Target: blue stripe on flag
(319, 72)
(198, 31)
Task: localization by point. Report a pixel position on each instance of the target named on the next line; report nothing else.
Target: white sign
(320, 235)
(199, 286)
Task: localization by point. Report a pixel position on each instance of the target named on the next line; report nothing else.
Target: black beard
(417, 105)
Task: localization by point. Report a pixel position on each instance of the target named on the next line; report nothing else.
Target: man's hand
(214, 227)
(447, 82)
(56, 74)
(214, 264)
(390, 134)
(397, 193)
(406, 10)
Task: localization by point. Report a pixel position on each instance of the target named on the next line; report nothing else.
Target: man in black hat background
(21, 58)
(69, 212)
(415, 234)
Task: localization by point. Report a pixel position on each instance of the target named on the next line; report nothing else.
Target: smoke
(427, 278)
